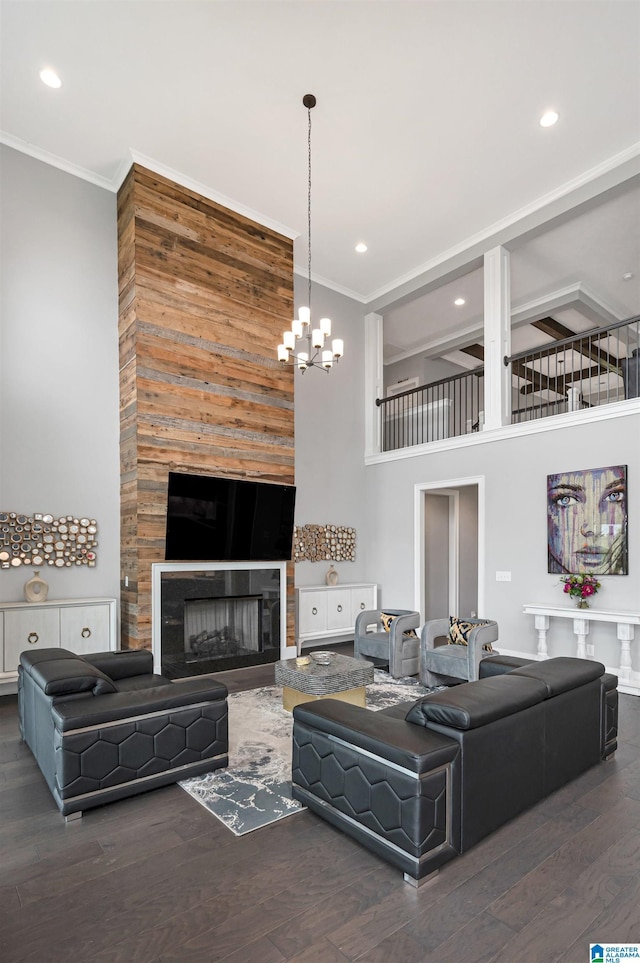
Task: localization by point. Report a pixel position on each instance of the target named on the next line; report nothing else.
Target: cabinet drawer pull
(362, 605)
(32, 638)
(314, 610)
(86, 632)
(339, 608)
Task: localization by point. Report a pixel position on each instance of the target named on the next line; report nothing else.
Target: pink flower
(567, 587)
(587, 590)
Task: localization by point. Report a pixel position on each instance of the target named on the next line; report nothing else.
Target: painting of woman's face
(587, 521)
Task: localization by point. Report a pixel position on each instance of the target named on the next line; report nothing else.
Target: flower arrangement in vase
(580, 587)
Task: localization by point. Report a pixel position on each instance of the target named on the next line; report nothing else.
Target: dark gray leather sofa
(423, 782)
(103, 726)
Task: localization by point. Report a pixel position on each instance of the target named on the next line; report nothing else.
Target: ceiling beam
(585, 346)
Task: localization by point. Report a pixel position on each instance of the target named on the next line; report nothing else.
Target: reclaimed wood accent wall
(205, 295)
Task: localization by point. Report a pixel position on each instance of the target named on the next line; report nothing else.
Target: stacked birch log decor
(323, 543)
(204, 295)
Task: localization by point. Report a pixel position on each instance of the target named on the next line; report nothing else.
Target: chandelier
(312, 351)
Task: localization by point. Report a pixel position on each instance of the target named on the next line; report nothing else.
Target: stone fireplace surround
(176, 584)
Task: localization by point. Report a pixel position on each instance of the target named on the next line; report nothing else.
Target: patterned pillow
(460, 629)
(387, 619)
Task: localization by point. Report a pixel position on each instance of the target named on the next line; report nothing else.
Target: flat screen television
(226, 520)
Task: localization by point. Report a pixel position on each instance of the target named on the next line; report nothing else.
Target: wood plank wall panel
(205, 295)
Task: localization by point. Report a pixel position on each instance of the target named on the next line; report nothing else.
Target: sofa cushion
(66, 676)
(137, 682)
(123, 663)
(460, 629)
(30, 658)
(561, 674)
(475, 704)
(499, 664)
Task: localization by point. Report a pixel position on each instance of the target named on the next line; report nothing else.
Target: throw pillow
(387, 619)
(460, 629)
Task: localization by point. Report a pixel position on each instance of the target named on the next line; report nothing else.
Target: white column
(581, 629)
(373, 382)
(497, 338)
(541, 623)
(625, 638)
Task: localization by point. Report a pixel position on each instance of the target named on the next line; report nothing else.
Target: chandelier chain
(309, 207)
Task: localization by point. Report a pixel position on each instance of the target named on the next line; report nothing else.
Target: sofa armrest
(115, 707)
(122, 664)
(369, 617)
(392, 786)
(402, 624)
(394, 740)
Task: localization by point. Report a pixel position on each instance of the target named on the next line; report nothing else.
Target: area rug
(255, 789)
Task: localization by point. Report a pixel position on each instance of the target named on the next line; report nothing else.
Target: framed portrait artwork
(587, 531)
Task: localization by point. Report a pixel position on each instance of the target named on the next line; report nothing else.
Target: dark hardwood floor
(157, 878)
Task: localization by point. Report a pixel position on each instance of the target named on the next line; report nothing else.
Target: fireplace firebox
(213, 616)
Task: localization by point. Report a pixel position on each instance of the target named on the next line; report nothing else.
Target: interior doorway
(449, 547)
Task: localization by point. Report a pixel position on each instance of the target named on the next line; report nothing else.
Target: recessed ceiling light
(459, 302)
(627, 276)
(361, 248)
(549, 118)
(50, 78)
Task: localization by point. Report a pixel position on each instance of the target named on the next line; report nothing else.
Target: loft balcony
(573, 374)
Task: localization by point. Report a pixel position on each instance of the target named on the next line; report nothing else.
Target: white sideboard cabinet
(329, 612)
(80, 625)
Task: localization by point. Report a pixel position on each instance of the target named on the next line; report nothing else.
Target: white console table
(623, 621)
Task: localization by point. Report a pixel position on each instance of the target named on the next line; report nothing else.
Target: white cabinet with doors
(80, 625)
(327, 613)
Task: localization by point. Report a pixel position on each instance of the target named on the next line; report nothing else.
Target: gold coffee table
(343, 678)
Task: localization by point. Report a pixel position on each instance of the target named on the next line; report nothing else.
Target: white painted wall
(59, 364)
(59, 428)
(329, 426)
(427, 370)
(515, 473)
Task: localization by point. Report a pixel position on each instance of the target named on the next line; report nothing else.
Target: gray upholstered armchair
(461, 660)
(394, 646)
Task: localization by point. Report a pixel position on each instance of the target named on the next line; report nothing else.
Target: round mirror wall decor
(41, 539)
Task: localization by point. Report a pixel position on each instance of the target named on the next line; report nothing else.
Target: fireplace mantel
(160, 569)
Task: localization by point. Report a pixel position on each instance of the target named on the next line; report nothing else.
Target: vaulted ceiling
(426, 143)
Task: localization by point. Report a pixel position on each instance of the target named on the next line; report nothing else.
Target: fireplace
(217, 628)
(213, 616)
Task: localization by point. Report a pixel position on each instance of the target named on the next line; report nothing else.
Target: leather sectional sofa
(103, 726)
(421, 783)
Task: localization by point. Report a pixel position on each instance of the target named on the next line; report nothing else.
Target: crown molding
(229, 202)
(615, 170)
(53, 160)
(326, 283)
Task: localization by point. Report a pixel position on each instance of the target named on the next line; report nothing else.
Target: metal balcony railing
(447, 408)
(595, 368)
(598, 367)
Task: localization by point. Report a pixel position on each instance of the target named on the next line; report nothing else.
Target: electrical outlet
(503, 576)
